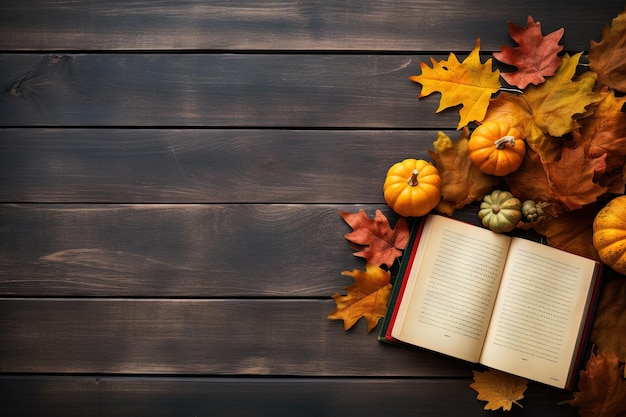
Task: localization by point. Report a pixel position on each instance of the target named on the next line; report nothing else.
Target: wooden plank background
(337, 25)
(171, 176)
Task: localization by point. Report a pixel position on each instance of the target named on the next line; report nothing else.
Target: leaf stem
(512, 90)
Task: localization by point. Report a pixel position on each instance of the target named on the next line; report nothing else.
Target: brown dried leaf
(367, 297)
(530, 181)
(609, 325)
(499, 389)
(462, 182)
(602, 388)
(607, 58)
(553, 182)
(374, 239)
(604, 132)
(571, 231)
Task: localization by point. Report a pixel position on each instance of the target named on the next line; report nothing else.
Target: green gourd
(500, 211)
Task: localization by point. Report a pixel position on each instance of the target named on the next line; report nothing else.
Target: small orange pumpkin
(496, 148)
(609, 234)
(412, 187)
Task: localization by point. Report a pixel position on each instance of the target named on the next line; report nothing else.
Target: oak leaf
(499, 389)
(374, 239)
(536, 57)
(607, 58)
(602, 388)
(367, 297)
(469, 83)
(609, 325)
(462, 182)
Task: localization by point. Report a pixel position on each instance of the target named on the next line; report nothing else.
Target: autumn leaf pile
(571, 110)
(571, 118)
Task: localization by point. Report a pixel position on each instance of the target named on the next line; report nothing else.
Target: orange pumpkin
(412, 187)
(609, 234)
(496, 148)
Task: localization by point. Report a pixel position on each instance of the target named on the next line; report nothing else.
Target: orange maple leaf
(572, 192)
(602, 388)
(375, 240)
(367, 297)
(607, 58)
(535, 57)
(552, 182)
(469, 84)
(499, 389)
(462, 182)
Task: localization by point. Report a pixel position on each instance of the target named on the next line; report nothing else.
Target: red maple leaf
(375, 240)
(535, 57)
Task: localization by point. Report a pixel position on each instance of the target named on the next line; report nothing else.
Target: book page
(452, 288)
(543, 301)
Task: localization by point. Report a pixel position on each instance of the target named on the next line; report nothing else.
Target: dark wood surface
(171, 176)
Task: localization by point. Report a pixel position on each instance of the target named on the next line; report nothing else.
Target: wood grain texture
(215, 90)
(231, 250)
(202, 165)
(200, 337)
(176, 250)
(403, 25)
(171, 175)
(245, 397)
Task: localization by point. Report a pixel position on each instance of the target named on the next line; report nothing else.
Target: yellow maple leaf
(367, 297)
(549, 110)
(470, 84)
(499, 389)
(556, 103)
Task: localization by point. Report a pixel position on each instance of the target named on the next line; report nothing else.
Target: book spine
(399, 283)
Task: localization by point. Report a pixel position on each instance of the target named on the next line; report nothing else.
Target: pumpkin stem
(413, 180)
(495, 209)
(500, 143)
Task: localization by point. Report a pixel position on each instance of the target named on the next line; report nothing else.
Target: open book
(505, 302)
